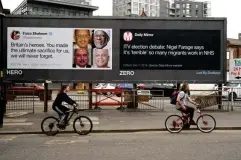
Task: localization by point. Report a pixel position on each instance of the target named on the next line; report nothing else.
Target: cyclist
(182, 99)
(61, 109)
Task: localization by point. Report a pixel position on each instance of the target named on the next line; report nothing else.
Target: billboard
(115, 50)
(59, 48)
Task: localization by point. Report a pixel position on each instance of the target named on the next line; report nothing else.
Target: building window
(24, 9)
(228, 54)
(61, 12)
(45, 10)
(81, 13)
(35, 8)
(86, 13)
(55, 11)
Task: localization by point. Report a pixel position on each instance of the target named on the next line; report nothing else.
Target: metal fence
(128, 100)
(123, 100)
(22, 102)
(232, 97)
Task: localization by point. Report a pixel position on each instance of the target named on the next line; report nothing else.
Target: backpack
(174, 97)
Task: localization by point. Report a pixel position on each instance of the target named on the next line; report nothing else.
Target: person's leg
(66, 114)
(186, 124)
(58, 111)
(191, 111)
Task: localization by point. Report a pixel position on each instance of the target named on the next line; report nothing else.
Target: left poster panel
(59, 48)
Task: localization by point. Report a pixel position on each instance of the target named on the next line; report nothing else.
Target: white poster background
(19, 50)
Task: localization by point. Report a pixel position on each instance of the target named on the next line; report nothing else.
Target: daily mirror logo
(128, 36)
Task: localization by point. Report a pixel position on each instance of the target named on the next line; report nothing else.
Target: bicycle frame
(184, 115)
(72, 111)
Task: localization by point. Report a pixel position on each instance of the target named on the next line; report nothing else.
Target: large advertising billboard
(98, 49)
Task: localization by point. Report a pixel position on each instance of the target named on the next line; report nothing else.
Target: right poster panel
(153, 49)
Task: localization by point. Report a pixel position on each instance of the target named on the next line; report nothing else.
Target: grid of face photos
(92, 49)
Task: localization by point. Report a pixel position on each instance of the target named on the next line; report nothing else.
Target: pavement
(218, 145)
(112, 120)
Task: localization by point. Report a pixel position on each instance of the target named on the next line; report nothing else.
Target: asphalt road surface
(187, 145)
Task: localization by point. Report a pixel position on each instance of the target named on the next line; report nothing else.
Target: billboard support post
(90, 96)
(135, 101)
(220, 96)
(45, 97)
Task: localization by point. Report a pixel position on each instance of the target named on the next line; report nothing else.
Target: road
(187, 145)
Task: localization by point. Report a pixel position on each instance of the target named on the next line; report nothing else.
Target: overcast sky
(219, 8)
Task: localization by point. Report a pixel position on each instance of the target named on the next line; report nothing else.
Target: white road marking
(18, 124)
(15, 120)
(54, 142)
(7, 138)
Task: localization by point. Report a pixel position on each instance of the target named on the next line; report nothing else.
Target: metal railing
(128, 100)
(232, 97)
(120, 100)
(24, 101)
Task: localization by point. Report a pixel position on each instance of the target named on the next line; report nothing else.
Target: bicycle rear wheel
(50, 123)
(205, 120)
(83, 121)
(175, 122)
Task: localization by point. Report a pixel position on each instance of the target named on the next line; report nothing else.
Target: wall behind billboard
(115, 50)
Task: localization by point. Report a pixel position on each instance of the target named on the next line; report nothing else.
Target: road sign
(235, 69)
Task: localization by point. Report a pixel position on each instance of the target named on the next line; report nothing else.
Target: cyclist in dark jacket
(63, 97)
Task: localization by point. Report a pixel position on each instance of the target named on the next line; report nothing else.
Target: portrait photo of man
(81, 58)
(100, 39)
(101, 58)
(82, 38)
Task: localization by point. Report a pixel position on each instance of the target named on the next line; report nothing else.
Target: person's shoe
(198, 110)
(192, 122)
(97, 108)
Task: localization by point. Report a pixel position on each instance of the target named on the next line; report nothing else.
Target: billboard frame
(223, 43)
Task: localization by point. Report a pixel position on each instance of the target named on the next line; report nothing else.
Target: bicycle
(59, 126)
(182, 121)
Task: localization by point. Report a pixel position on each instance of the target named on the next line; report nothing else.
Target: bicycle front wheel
(206, 123)
(174, 123)
(84, 123)
(49, 126)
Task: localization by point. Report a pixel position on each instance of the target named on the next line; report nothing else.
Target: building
(162, 8)
(233, 50)
(152, 8)
(56, 8)
(189, 8)
(1, 7)
(3, 10)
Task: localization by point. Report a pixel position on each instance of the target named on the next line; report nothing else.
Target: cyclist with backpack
(181, 102)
